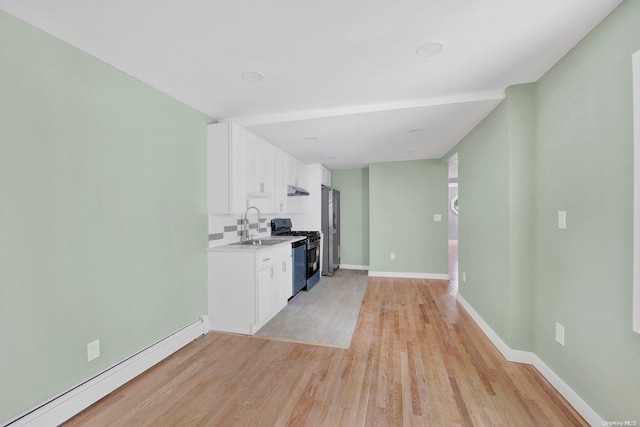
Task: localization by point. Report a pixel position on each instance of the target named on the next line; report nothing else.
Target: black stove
(311, 235)
(282, 227)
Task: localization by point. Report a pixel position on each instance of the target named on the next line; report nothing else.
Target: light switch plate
(560, 333)
(562, 220)
(437, 217)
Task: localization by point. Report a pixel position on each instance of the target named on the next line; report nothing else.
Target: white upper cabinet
(296, 176)
(226, 168)
(279, 179)
(296, 172)
(245, 170)
(326, 177)
(259, 166)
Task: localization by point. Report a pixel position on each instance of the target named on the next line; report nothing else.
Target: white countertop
(286, 240)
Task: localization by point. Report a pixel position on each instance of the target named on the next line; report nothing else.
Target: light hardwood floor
(416, 358)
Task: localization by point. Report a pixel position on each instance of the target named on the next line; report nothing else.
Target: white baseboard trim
(572, 397)
(510, 355)
(71, 402)
(409, 275)
(531, 358)
(354, 267)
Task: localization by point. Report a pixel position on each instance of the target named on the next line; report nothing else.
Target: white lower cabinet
(247, 287)
(286, 279)
(265, 294)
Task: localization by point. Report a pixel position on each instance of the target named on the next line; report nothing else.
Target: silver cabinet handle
(266, 259)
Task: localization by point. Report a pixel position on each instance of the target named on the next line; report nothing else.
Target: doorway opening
(453, 223)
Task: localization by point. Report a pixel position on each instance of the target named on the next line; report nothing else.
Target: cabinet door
(264, 294)
(297, 176)
(259, 158)
(253, 164)
(326, 177)
(238, 164)
(296, 172)
(266, 167)
(286, 280)
(276, 292)
(302, 179)
(279, 180)
(292, 171)
(302, 175)
(226, 168)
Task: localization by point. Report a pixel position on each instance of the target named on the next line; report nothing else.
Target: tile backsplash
(226, 229)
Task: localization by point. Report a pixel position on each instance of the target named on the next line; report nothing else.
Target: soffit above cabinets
(356, 75)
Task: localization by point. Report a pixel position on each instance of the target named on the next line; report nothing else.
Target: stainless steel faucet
(245, 224)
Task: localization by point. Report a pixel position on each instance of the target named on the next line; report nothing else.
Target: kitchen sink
(259, 242)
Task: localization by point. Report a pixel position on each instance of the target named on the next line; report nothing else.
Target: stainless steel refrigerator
(330, 230)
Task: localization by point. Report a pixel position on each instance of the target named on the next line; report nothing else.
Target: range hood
(292, 190)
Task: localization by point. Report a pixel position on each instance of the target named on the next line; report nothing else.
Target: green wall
(584, 166)
(495, 245)
(483, 219)
(403, 197)
(354, 214)
(522, 119)
(563, 143)
(103, 219)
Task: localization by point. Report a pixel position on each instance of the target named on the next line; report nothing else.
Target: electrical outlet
(559, 333)
(464, 277)
(392, 256)
(93, 350)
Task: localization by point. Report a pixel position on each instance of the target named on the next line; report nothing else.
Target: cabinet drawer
(271, 257)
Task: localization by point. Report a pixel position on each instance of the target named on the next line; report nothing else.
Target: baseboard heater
(74, 400)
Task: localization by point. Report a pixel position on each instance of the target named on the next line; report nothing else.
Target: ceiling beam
(343, 111)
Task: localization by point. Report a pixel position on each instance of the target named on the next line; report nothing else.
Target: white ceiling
(345, 72)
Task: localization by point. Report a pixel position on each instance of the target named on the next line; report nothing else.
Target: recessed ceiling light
(311, 138)
(416, 130)
(430, 49)
(252, 76)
